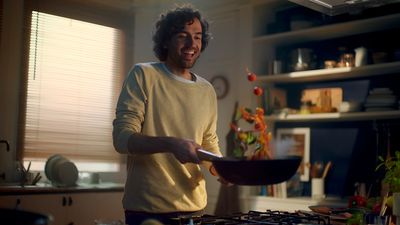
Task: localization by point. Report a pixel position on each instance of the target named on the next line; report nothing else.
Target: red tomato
(251, 76)
(357, 201)
(257, 126)
(257, 91)
(377, 208)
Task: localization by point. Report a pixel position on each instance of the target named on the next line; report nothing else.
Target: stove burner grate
(268, 217)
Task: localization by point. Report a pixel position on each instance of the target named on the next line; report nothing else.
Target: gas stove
(256, 217)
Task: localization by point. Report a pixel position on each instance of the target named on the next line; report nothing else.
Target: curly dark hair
(174, 21)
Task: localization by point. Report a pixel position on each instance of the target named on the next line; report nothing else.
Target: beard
(179, 60)
(187, 64)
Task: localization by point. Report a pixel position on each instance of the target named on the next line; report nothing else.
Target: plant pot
(396, 207)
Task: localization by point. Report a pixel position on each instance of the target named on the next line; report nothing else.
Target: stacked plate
(381, 99)
(60, 171)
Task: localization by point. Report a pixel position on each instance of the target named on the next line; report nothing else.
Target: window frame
(75, 10)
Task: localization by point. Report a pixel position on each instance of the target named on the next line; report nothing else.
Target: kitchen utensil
(326, 169)
(316, 169)
(241, 171)
(333, 213)
(15, 216)
(36, 178)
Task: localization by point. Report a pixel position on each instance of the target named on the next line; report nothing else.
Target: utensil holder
(318, 188)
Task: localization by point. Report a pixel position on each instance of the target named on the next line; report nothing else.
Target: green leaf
(250, 138)
(237, 152)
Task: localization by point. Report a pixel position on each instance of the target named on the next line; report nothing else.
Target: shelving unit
(264, 51)
(336, 117)
(330, 31)
(265, 45)
(332, 74)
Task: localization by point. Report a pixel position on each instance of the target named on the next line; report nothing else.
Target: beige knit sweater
(155, 102)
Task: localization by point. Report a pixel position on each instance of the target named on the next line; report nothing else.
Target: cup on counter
(95, 178)
(317, 188)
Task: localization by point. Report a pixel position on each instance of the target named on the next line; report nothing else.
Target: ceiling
(329, 7)
(335, 7)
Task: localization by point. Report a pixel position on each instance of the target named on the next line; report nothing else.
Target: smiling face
(184, 49)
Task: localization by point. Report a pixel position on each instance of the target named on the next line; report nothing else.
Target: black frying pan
(241, 171)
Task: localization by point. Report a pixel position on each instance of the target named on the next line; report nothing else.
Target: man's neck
(182, 72)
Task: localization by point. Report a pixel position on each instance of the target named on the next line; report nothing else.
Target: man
(164, 114)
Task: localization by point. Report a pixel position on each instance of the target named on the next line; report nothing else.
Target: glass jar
(346, 60)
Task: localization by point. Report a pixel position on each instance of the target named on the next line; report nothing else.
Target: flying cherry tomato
(257, 91)
(242, 136)
(251, 76)
(258, 126)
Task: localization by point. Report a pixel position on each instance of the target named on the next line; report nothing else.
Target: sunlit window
(74, 77)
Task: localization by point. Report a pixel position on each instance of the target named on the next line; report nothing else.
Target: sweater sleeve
(130, 109)
(210, 137)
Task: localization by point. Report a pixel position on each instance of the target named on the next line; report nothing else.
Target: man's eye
(181, 35)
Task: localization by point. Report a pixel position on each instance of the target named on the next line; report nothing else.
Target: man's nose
(189, 40)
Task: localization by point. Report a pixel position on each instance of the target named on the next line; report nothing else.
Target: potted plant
(392, 168)
(392, 179)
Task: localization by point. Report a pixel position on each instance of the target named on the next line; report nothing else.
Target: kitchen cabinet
(70, 208)
(272, 40)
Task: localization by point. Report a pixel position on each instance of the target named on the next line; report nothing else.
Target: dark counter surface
(45, 188)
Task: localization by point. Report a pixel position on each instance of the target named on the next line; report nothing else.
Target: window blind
(74, 75)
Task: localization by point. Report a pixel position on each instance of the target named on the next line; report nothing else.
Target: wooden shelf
(331, 31)
(332, 74)
(335, 117)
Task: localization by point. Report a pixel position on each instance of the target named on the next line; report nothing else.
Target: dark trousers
(137, 218)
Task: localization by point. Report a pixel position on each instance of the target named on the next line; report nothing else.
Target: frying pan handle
(205, 155)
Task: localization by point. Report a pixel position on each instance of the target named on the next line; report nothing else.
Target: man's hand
(184, 150)
(214, 172)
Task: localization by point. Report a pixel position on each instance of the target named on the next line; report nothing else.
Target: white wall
(227, 54)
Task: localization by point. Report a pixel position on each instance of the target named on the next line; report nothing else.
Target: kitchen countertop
(45, 188)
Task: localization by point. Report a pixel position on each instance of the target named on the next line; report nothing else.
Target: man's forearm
(143, 144)
(183, 149)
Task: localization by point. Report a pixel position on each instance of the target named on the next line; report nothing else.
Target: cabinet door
(46, 204)
(8, 202)
(85, 208)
